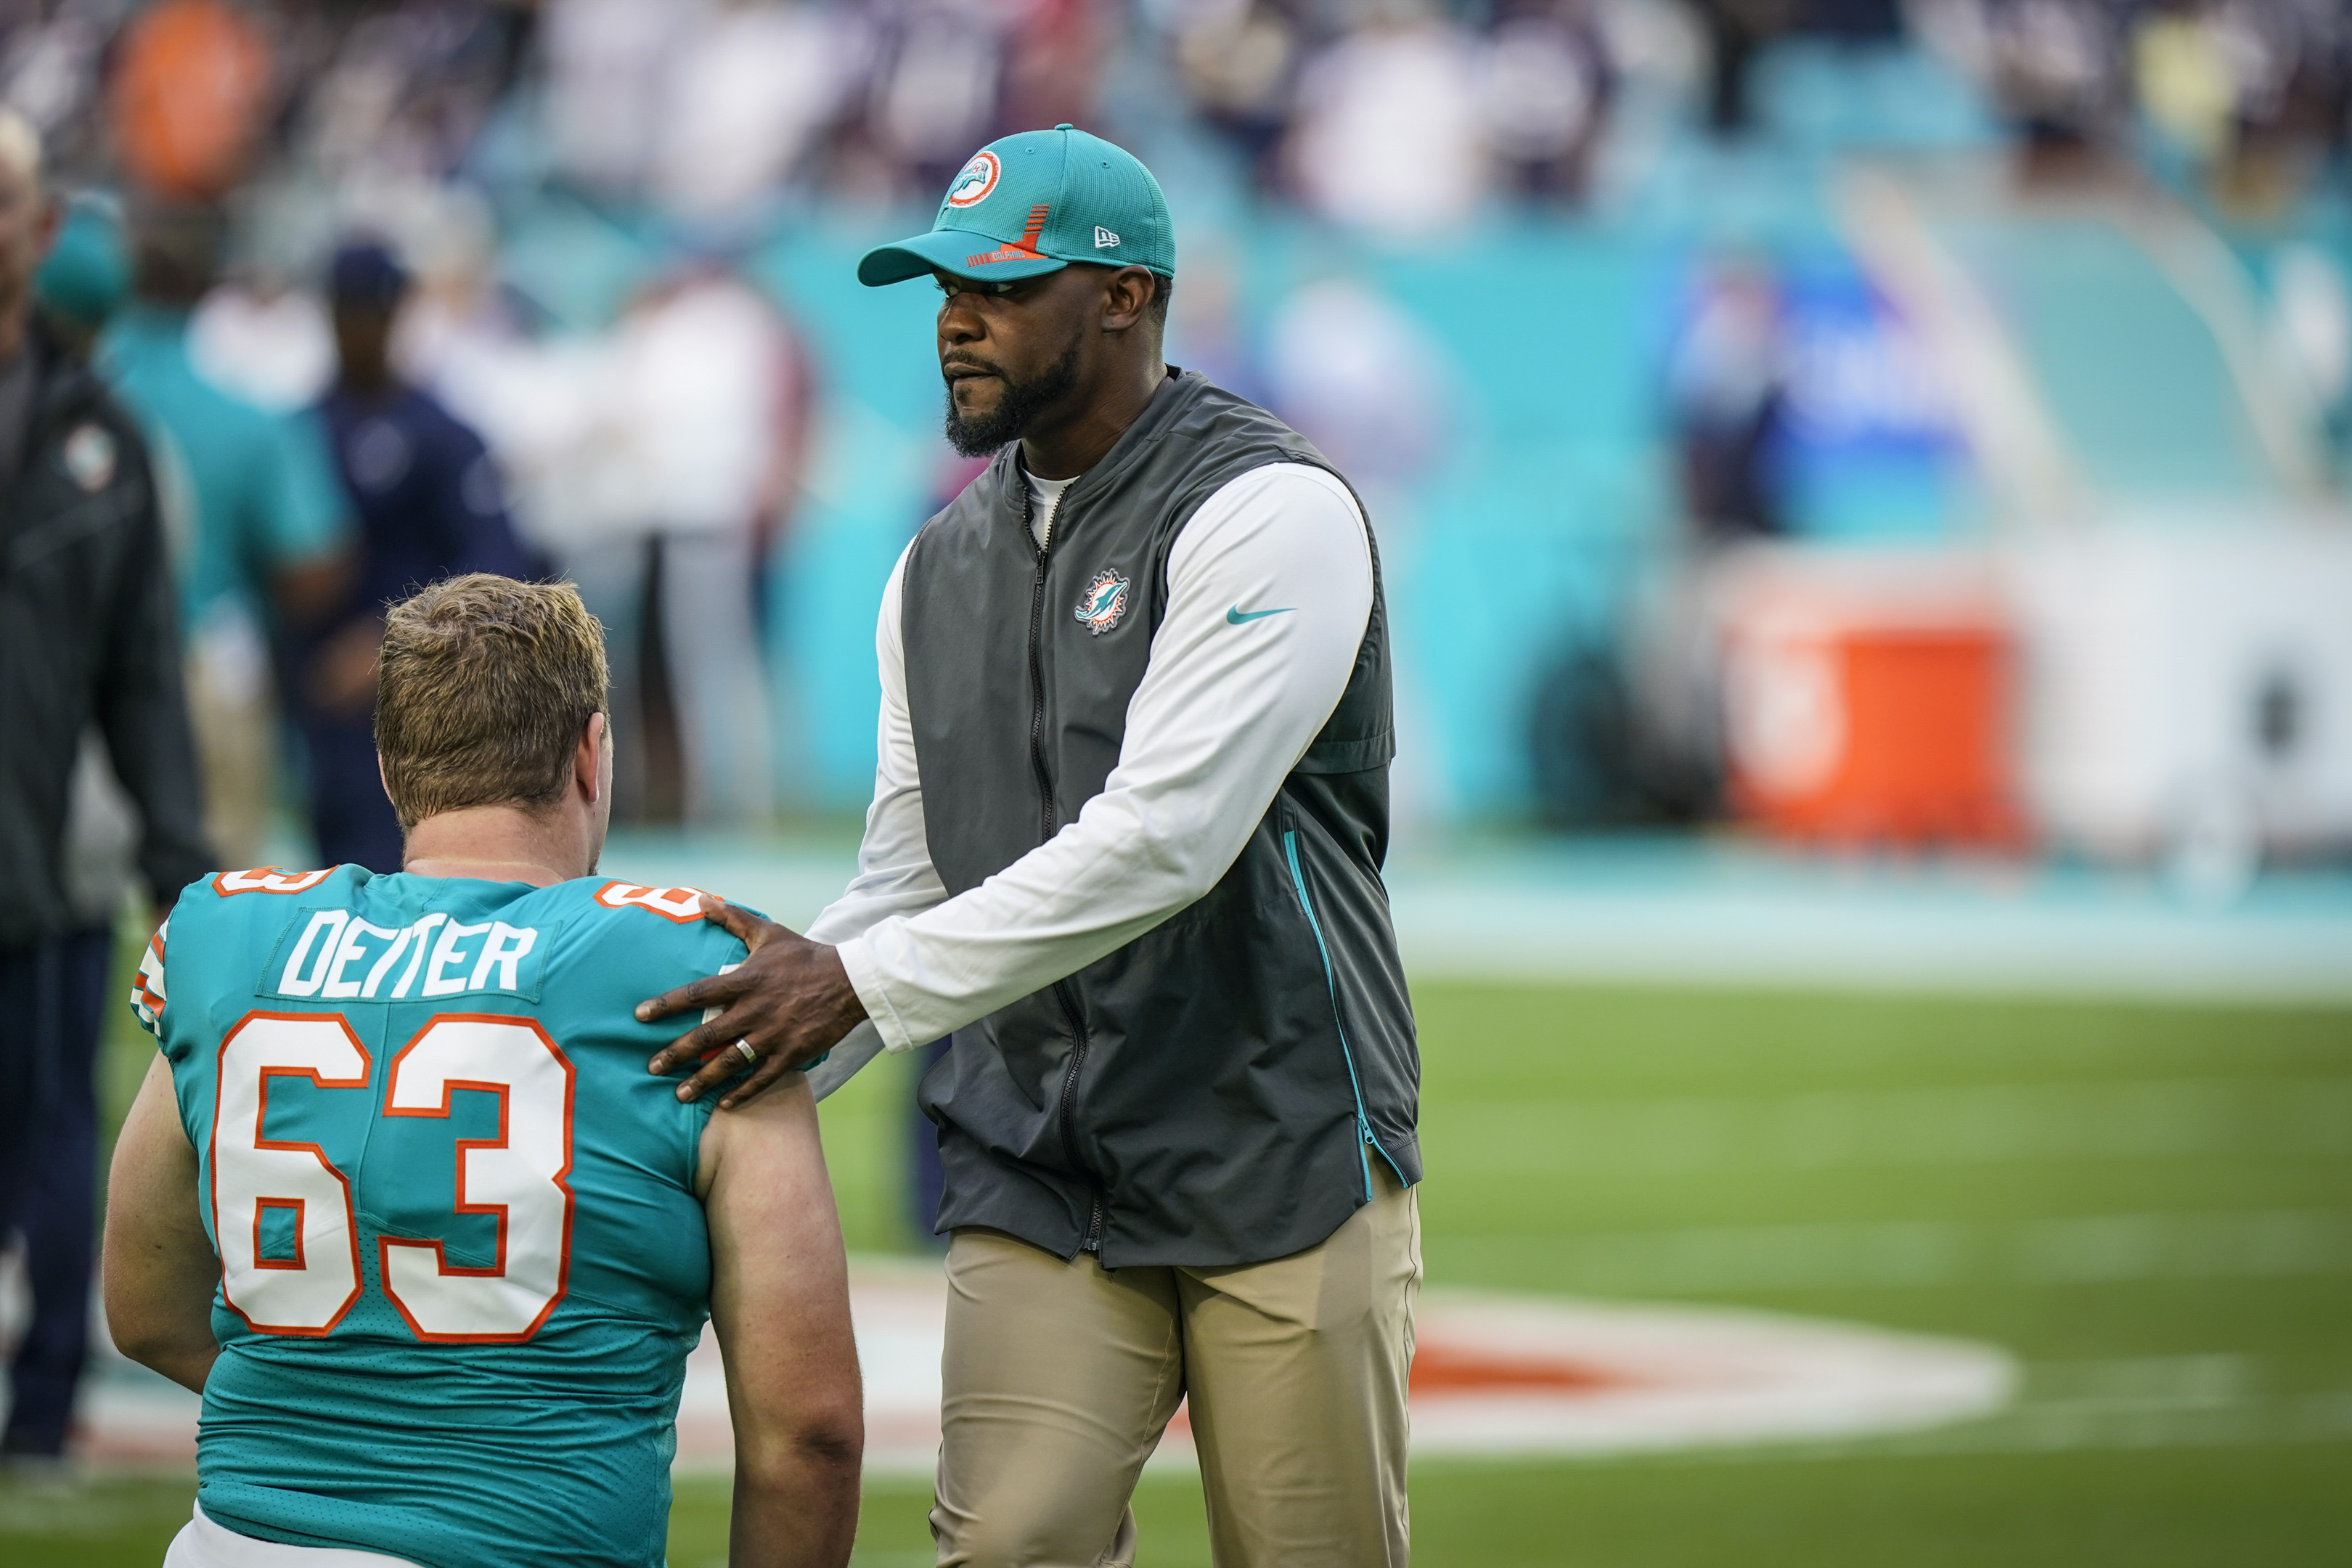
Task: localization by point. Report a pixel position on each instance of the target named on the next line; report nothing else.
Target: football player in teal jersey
(401, 1200)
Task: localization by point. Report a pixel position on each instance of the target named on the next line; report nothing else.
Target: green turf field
(2152, 1207)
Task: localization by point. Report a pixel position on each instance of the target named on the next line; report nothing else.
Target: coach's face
(1034, 355)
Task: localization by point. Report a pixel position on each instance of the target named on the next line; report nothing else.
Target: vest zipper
(1046, 779)
(1067, 1110)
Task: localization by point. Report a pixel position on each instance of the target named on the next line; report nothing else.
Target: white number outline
(439, 1248)
(268, 880)
(562, 1177)
(679, 906)
(299, 1205)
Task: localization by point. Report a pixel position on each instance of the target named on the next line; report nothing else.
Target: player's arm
(779, 1301)
(159, 1271)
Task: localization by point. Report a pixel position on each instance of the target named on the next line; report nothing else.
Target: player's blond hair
(483, 689)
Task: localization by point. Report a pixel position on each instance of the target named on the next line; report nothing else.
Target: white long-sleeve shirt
(1270, 587)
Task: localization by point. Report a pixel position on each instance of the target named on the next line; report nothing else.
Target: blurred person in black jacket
(86, 640)
(429, 505)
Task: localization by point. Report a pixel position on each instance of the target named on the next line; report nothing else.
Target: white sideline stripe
(2164, 1402)
(1866, 938)
(1965, 1124)
(1746, 916)
(2088, 1249)
(2279, 1244)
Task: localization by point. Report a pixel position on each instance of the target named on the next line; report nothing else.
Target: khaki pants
(1059, 1378)
(230, 715)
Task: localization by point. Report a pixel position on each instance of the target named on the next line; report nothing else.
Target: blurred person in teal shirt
(261, 530)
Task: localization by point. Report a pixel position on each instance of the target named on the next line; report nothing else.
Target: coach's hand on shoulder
(790, 1001)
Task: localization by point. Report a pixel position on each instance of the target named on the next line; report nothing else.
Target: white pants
(201, 1543)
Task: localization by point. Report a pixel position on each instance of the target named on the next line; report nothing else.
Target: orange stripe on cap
(1024, 249)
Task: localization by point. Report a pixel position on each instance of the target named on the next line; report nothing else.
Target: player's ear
(588, 758)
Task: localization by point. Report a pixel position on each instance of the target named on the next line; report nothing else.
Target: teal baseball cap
(88, 271)
(1033, 204)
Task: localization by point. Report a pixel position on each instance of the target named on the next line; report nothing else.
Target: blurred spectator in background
(1363, 380)
(704, 399)
(2254, 92)
(938, 81)
(1238, 60)
(1055, 59)
(86, 641)
(399, 91)
(190, 96)
(1737, 31)
(2055, 67)
(1357, 158)
(2057, 70)
(268, 541)
(429, 505)
(605, 65)
(709, 106)
(1545, 89)
(749, 91)
(1646, 720)
(1724, 386)
(264, 341)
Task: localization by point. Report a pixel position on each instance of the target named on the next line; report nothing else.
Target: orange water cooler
(1868, 696)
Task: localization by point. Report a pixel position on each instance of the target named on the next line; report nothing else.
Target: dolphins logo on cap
(974, 181)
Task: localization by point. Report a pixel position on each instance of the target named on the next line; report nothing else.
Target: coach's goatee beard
(1022, 403)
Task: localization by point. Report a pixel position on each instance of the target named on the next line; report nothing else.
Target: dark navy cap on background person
(365, 272)
(1033, 204)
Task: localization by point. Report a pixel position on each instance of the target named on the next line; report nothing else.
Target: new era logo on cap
(1104, 239)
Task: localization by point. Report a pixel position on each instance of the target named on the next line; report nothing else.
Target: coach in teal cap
(1033, 204)
(1130, 801)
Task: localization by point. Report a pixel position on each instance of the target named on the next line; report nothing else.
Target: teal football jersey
(462, 1262)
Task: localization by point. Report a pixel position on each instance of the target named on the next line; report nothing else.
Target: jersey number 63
(518, 1177)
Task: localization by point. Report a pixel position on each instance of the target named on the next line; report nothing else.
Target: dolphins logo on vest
(1104, 603)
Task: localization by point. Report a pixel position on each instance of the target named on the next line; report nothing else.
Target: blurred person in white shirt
(1546, 85)
(938, 84)
(1360, 157)
(751, 88)
(1363, 380)
(702, 396)
(607, 67)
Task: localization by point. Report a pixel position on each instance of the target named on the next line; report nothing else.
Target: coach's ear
(592, 760)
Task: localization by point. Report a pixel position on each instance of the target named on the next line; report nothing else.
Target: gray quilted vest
(1216, 1090)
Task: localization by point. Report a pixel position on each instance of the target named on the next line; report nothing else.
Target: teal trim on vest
(1363, 1122)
